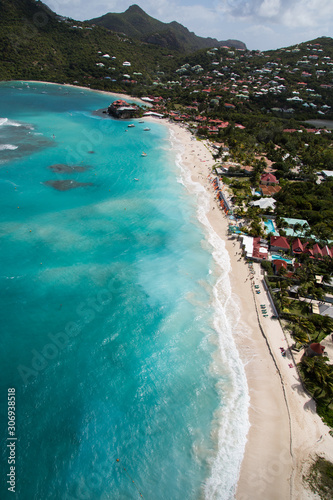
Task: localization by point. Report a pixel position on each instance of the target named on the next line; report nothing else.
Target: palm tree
(297, 228)
(314, 291)
(319, 377)
(302, 329)
(315, 373)
(323, 325)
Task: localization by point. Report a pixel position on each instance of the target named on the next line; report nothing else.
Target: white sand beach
(111, 94)
(285, 432)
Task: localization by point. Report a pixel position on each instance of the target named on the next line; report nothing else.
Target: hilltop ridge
(135, 23)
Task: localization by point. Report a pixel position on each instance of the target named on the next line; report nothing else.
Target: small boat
(143, 153)
(131, 125)
(145, 129)
(136, 179)
(141, 121)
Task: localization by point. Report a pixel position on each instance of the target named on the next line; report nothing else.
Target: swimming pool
(278, 257)
(270, 227)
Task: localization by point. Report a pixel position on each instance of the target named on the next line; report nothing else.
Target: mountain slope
(37, 44)
(24, 9)
(135, 23)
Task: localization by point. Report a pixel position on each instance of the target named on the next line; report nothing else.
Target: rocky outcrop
(122, 109)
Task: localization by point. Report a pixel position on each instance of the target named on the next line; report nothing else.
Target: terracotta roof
(269, 190)
(317, 348)
(259, 251)
(279, 263)
(297, 246)
(269, 178)
(280, 242)
(326, 252)
(317, 249)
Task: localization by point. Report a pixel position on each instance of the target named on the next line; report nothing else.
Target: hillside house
(297, 247)
(317, 250)
(279, 264)
(268, 179)
(279, 243)
(326, 252)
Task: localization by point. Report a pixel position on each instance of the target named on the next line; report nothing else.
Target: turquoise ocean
(117, 316)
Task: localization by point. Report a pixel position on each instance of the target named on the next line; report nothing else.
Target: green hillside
(137, 24)
(37, 44)
(134, 22)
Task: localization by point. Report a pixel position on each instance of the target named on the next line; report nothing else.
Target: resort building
(269, 190)
(268, 179)
(296, 227)
(122, 109)
(264, 203)
(297, 246)
(314, 349)
(317, 250)
(279, 243)
(278, 264)
(254, 248)
(326, 252)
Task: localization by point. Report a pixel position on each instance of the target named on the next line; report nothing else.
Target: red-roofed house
(268, 179)
(259, 250)
(120, 102)
(279, 243)
(317, 250)
(278, 264)
(314, 349)
(297, 246)
(326, 252)
(269, 190)
(307, 250)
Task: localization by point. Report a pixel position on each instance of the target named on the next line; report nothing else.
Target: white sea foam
(232, 422)
(7, 146)
(12, 123)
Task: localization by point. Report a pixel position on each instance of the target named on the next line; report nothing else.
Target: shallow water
(117, 319)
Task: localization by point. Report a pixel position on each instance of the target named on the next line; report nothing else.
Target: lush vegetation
(310, 201)
(37, 45)
(320, 478)
(306, 327)
(136, 24)
(261, 99)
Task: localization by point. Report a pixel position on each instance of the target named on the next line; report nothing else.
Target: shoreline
(226, 361)
(116, 94)
(285, 433)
